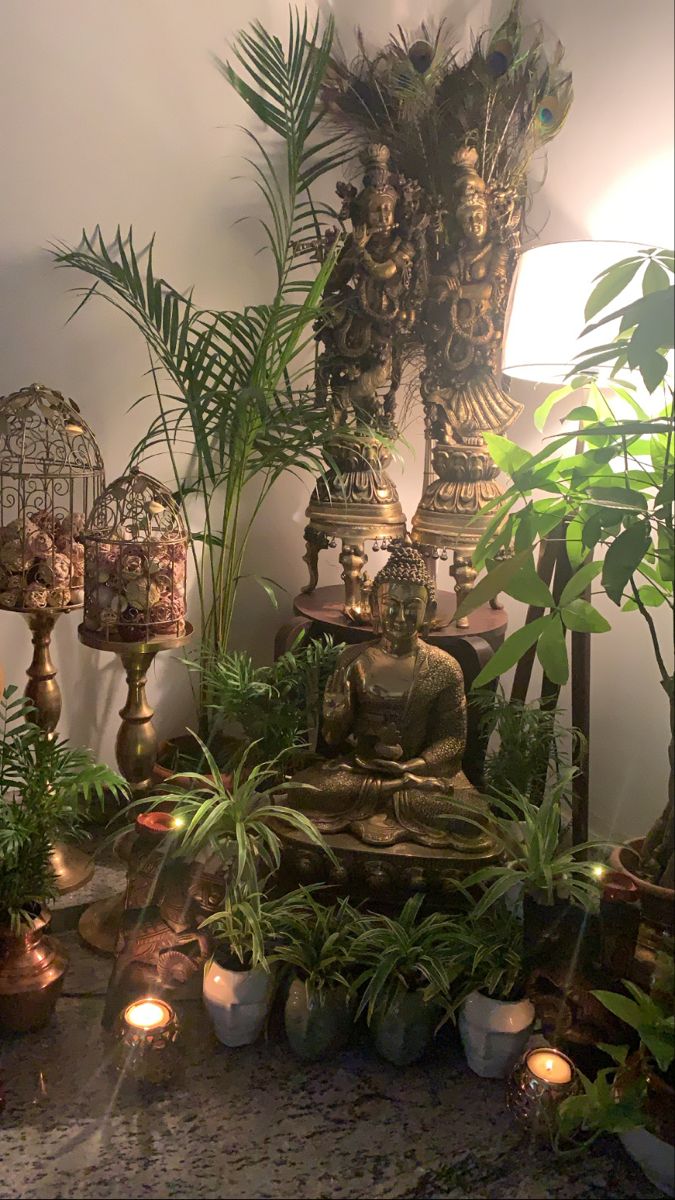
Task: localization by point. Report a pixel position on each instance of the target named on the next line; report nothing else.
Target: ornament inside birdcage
(51, 472)
(135, 554)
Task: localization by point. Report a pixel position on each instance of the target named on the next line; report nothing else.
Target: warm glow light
(599, 870)
(178, 822)
(147, 1014)
(550, 1066)
(546, 307)
(641, 201)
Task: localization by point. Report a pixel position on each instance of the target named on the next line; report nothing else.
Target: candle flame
(178, 822)
(599, 870)
(147, 1014)
(549, 1064)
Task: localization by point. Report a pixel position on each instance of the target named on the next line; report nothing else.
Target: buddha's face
(402, 610)
(473, 218)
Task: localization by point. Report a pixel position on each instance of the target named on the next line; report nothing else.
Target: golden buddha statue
(395, 713)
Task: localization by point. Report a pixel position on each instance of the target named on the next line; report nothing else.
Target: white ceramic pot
(494, 1033)
(237, 1002)
(655, 1158)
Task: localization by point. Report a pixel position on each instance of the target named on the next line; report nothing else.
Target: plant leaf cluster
(530, 743)
(529, 836)
(235, 408)
(46, 789)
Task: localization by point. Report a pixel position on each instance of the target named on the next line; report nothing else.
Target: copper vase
(32, 966)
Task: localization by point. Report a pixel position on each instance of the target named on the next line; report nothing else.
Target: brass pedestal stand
(136, 753)
(72, 867)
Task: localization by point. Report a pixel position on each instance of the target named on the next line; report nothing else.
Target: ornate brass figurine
(395, 714)
(372, 303)
(460, 386)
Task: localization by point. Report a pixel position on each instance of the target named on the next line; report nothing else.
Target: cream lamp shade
(545, 315)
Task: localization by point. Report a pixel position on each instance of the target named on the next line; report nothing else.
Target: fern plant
(46, 788)
(234, 405)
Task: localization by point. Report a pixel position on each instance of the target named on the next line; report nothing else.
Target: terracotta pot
(317, 1023)
(237, 1002)
(405, 1028)
(32, 966)
(494, 1033)
(657, 903)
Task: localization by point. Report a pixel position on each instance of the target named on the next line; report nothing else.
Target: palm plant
(233, 820)
(410, 952)
(319, 944)
(530, 743)
(275, 706)
(46, 788)
(534, 858)
(234, 405)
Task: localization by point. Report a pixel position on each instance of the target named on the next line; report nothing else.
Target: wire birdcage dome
(135, 554)
(51, 473)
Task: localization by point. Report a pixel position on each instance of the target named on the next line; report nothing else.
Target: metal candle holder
(534, 1100)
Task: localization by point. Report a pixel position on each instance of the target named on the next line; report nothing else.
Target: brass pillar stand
(136, 753)
(72, 867)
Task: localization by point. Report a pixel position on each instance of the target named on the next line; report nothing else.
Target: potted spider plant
(46, 788)
(239, 980)
(405, 979)
(635, 1098)
(529, 739)
(495, 1015)
(319, 948)
(230, 822)
(558, 885)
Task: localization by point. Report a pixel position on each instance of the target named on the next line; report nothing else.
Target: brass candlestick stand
(136, 753)
(72, 867)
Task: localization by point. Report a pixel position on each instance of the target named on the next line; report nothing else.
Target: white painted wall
(112, 112)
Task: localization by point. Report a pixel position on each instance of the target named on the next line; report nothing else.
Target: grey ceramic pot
(318, 1023)
(404, 1028)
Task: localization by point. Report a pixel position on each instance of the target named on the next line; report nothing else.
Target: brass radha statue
(395, 712)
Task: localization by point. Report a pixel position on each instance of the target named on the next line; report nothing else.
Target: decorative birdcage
(135, 554)
(51, 473)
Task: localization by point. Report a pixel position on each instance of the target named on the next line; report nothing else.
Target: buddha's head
(403, 597)
(472, 211)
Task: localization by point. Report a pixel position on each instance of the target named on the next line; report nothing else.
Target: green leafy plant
(234, 820)
(487, 954)
(251, 926)
(276, 707)
(529, 836)
(46, 789)
(410, 952)
(608, 484)
(530, 743)
(235, 408)
(319, 944)
(618, 1099)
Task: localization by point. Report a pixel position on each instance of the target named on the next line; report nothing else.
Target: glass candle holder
(146, 1035)
(538, 1084)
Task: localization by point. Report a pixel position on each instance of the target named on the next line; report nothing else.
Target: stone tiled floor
(255, 1122)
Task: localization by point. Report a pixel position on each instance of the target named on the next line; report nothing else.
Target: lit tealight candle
(147, 1014)
(550, 1066)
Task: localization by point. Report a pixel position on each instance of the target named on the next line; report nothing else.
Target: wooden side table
(321, 612)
